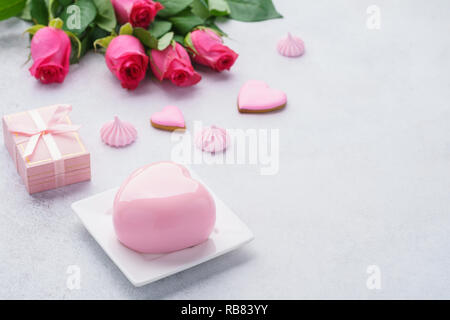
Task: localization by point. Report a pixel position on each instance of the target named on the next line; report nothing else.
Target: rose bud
(140, 13)
(174, 63)
(50, 50)
(126, 59)
(206, 48)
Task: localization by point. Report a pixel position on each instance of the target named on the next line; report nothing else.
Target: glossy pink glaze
(169, 116)
(257, 95)
(160, 208)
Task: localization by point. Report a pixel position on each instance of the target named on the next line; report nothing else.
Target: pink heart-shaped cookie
(257, 97)
(160, 208)
(169, 118)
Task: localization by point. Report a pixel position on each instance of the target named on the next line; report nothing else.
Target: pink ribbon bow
(54, 126)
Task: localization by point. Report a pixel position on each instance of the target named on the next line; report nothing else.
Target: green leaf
(65, 3)
(106, 18)
(211, 23)
(179, 39)
(218, 7)
(252, 10)
(97, 33)
(85, 43)
(185, 23)
(78, 16)
(172, 7)
(39, 12)
(52, 6)
(187, 42)
(146, 38)
(103, 42)
(77, 41)
(159, 28)
(32, 30)
(56, 23)
(94, 34)
(26, 12)
(11, 8)
(165, 41)
(200, 8)
(55, 7)
(126, 29)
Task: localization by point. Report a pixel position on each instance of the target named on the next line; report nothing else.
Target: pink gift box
(58, 156)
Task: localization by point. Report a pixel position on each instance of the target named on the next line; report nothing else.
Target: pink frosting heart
(169, 116)
(258, 96)
(160, 208)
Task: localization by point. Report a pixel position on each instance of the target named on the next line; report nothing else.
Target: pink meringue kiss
(160, 208)
(118, 133)
(291, 46)
(212, 139)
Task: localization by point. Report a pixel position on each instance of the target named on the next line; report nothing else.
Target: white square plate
(96, 214)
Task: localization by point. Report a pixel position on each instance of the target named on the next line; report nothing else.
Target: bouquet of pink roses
(168, 35)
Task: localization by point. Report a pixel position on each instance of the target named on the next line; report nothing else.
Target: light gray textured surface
(364, 162)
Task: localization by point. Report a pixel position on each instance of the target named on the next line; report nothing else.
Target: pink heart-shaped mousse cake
(160, 208)
(257, 97)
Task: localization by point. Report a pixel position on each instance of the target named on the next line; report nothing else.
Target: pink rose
(50, 50)
(140, 13)
(206, 48)
(174, 63)
(126, 59)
